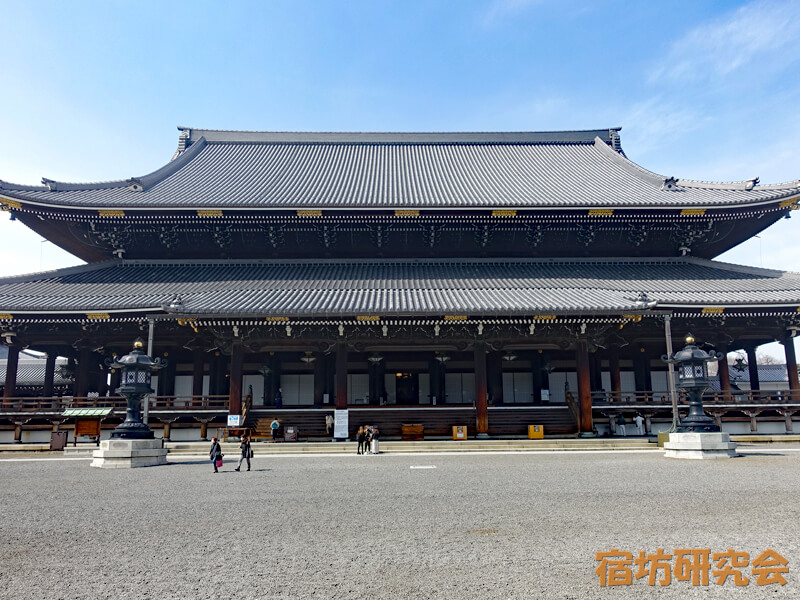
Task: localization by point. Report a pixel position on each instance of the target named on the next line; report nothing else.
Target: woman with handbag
(216, 454)
(246, 453)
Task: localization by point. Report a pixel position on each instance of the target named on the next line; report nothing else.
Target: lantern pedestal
(699, 446)
(119, 453)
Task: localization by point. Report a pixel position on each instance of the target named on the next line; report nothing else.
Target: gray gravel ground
(488, 526)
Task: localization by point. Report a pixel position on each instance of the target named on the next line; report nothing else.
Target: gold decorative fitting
(309, 213)
(276, 319)
(504, 213)
(209, 213)
(98, 316)
(545, 317)
(693, 212)
(790, 203)
(367, 318)
(186, 321)
(8, 317)
(455, 317)
(406, 213)
(634, 318)
(601, 212)
(689, 339)
(11, 203)
(713, 310)
(111, 213)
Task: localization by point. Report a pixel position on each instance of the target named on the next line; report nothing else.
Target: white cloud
(761, 35)
(501, 9)
(657, 122)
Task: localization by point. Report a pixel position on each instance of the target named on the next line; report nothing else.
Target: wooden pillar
(341, 375)
(198, 371)
(82, 373)
(616, 379)
(584, 386)
(235, 392)
(596, 371)
(536, 372)
(494, 377)
(481, 391)
(724, 373)
(203, 430)
(319, 379)
(12, 364)
(167, 431)
(641, 370)
(752, 367)
(169, 375)
(116, 378)
(49, 372)
(791, 369)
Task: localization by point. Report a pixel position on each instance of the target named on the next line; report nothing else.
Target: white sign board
(341, 423)
(234, 420)
(545, 395)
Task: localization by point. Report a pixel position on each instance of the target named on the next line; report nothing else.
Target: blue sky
(703, 89)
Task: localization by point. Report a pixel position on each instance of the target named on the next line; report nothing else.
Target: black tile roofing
(397, 287)
(266, 170)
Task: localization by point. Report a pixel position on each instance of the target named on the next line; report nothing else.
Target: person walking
(215, 453)
(361, 438)
(368, 439)
(244, 446)
(328, 423)
(274, 426)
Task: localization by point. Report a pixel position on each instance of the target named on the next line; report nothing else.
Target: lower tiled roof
(398, 287)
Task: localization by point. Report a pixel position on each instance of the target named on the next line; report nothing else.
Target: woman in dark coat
(215, 453)
(245, 448)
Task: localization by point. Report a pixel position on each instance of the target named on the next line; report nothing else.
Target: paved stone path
(487, 526)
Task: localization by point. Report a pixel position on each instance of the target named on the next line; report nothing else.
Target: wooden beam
(791, 367)
(341, 375)
(12, 364)
(584, 386)
(235, 393)
(481, 404)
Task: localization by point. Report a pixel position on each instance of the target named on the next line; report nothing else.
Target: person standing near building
(361, 437)
(279, 398)
(328, 423)
(621, 426)
(639, 420)
(244, 446)
(215, 453)
(376, 435)
(274, 426)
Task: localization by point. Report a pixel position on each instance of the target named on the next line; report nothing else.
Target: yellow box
(459, 432)
(535, 432)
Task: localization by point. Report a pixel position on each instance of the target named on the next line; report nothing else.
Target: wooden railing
(574, 409)
(157, 403)
(730, 397)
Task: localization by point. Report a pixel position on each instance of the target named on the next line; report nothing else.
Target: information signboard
(341, 423)
(234, 420)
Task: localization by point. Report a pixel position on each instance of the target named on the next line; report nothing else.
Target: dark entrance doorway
(407, 388)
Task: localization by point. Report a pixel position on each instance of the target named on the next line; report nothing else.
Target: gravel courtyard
(475, 526)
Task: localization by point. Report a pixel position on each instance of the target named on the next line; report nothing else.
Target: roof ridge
(578, 136)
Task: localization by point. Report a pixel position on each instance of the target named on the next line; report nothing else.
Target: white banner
(341, 423)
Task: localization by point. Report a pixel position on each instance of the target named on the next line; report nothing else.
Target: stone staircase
(427, 446)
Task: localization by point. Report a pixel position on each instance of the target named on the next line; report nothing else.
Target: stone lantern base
(700, 446)
(127, 454)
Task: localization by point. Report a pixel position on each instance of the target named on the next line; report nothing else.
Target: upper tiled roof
(257, 170)
(31, 371)
(398, 287)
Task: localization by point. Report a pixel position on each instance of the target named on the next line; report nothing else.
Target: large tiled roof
(337, 288)
(254, 170)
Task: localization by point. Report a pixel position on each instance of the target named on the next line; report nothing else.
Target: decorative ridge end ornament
(137, 368)
(693, 379)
